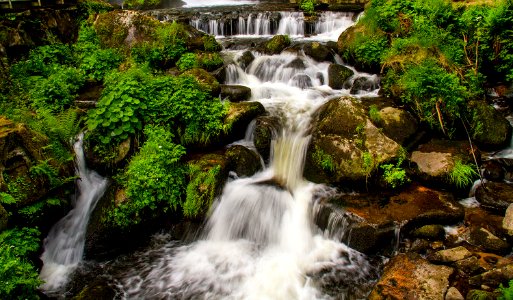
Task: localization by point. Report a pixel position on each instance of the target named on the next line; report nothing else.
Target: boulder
(493, 131)
(238, 118)
(430, 232)
(245, 59)
(207, 81)
(297, 64)
(345, 144)
(338, 75)
(363, 84)
(450, 255)
(397, 124)
(488, 241)
(436, 160)
(469, 266)
(480, 295)
(235, 93)
(493, 277)
(453, 294)
(266, 129)
(493, 170)
(412, 277)
(4, 217)
(318, 51)
(302, 81)
(275, 45)
(243, 161)
(495, 195)
(123, 151)
(507, 222)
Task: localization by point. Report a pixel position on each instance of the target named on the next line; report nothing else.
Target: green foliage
(374, 114)
(141, 4)
(187, 61)
(155, 179)
(308, 6)
(6, 198)
(19, 278)
(91, 7)
(18, 188)
(201, 189)
(367, 50)
(210, 44)
(45, 171)
(42, 61)
(209, 61)
(34, 213)
(506, 292)
(394, 175)
(324, 160)
(462, 175)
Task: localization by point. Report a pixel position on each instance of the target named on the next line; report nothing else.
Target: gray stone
(450, 255)
(453, 294)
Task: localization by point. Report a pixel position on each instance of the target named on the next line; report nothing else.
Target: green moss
(324, 160)
(277, 43)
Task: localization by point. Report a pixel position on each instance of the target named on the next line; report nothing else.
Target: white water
(64, 245)
(328, 26)
(508, 152)
(207, 3)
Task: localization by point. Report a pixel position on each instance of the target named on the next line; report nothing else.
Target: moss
(110, 29)
(489, 128)
(277, 44)
(206, 81)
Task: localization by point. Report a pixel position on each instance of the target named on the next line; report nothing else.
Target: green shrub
(506, 292)
(155, 179)
(187, 61)
(19, 278)
(141, 4)
(367, 50)
(394, 175)
(307, 6)
(42, 61)
(209, 61)
(374, 114)
(210, 44)
(462, 175)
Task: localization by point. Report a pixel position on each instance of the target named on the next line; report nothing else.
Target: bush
(506, 292)
(19, 278)
(394, 175)
(155, 179)
(187, 61)
(141, 4)
(307, 6)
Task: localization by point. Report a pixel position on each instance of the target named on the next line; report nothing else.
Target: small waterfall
(328, 26)
(64, 245)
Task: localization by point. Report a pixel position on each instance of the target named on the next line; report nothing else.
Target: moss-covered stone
(96, 291)
(266, 128)
(238, 118)
(431, 232)
(235, 93)
(206, 81)
(243, 161)
(480, 295)
(276, 44)
(489, 128)
(318, 51)
(338, 75)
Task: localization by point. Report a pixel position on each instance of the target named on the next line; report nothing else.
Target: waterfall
(64, 245)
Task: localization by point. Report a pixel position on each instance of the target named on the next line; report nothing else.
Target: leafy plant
(187, 61)
(506, 292)
(324, 160)
(462, 175)
(19, 278)
(200, 190)
(394, 175)
(307, 6)
(210, 44)
(374, 114)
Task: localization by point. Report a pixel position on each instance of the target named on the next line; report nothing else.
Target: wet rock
(397, 124)
(469, 266)
(207, 81)
(266, 128)
(495, 195)
(4, 216)
(480, 295)
(275, 45)
(495, 130)
(430, 232)
(450, 255)
(412, 277)
(362, 84)
(243, 161)
(436, 159)
(345, 145)
(245, 59)
(220, 74)
(493, 277)
(493, 170)
(235, 93)
(346, 40)
(297, 64)
(488, 241)
(453, 294)
(302, 81)
(338, 75)
(318, 51)
(98, 290)
(238, 118)
(507, 222)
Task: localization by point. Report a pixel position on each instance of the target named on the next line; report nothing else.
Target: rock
(243, 161)
(207, 82)
(469, 266)
(123, 151)
(450, 255)
(220, 74)
(411, 277)
(364, 84)
(453, 294)
(495, 195)
(266, 128)
(238, 118)
(488, 241)
(436, 160)
(493, 277)
(4, 216)
(346, 44)
(302, 81)
(494, 131)
(245, 59)
(345, 145)
(318, 51)
(297, 64)
(493, 170)
(480, 295)
(430, 232)
(397, 124)
(275, 45)
(337, 75)
(96, 291)
(235, 93)
(507, 222)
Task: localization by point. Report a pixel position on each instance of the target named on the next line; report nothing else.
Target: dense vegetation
(436, 56)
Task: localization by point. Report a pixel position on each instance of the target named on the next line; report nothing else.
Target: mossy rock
(397, 124)
(490, 129)
(338, 75)
(235, 93)
(430, 232)
(480, 295)
(96, 291)
(238, 118)
(209, 61)
(207, 81)
(4, 217)
(243, 161)
(318, 51)
(245, 59)
(276, 44)
(266, 128)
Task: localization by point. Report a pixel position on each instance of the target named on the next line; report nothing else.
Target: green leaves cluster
(462, 175)
(155, 178)
(201, 190)
(307, 6)
(19, 278)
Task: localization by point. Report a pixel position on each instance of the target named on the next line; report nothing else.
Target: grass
(462, 175)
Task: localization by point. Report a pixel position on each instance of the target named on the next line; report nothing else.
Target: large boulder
(235, 93)
(450, 255)
(266, 128)
(338, 75)
(318, 51)
(207, 81)
(490, 129)
(507, 222)
(437, 159)
(488, 241)
(275, 45)
(243, 161)
(245, 59)
(396, 123)
(346, 145)
(495, 195)
(412, 277)
(238, 118)
(363, 84)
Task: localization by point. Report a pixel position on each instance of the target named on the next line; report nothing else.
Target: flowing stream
(64, 246)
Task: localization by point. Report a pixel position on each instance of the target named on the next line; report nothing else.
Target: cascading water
(260, 241)
(64, 246)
